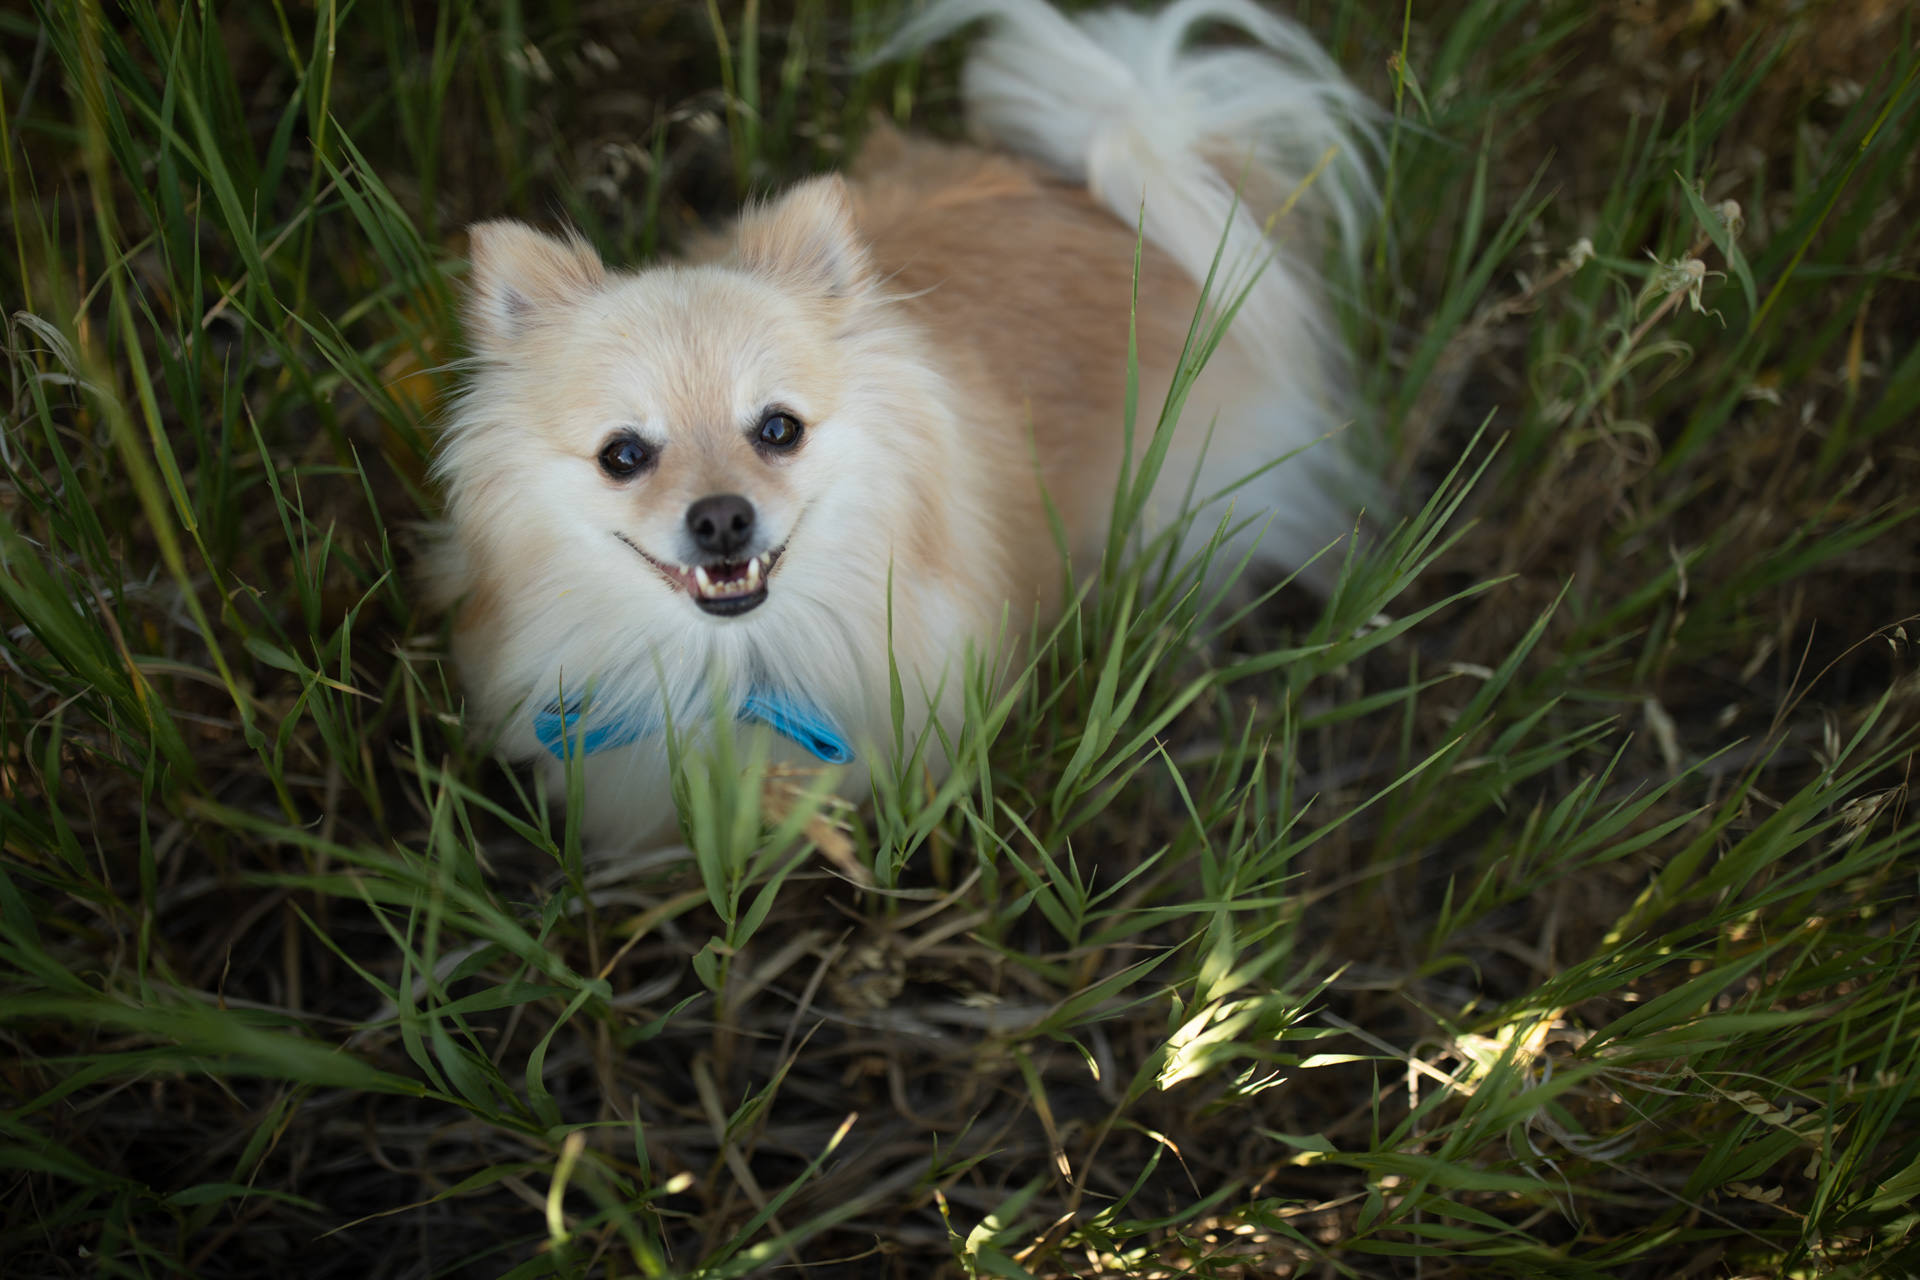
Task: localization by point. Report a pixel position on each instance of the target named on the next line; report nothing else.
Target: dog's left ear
(807, 240)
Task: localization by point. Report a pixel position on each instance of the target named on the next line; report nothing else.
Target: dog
(811, 477)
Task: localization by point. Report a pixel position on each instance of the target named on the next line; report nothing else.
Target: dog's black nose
(720, 523)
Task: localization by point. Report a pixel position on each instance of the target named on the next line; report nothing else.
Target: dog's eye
(625, 456)
(780, 431)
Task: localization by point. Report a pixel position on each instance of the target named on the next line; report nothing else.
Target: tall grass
(1541, 901)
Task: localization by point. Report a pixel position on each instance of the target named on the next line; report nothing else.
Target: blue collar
(791, 717)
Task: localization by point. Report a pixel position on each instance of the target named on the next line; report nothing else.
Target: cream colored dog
(744, 481)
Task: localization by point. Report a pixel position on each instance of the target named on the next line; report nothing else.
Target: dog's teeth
(753, 574)
(701, 580)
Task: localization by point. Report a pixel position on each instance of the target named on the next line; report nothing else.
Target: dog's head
(677, 424)
(751, 465)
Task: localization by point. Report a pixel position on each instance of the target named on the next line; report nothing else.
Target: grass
(1542, 902)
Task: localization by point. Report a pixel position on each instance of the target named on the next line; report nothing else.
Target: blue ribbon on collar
(791, 717)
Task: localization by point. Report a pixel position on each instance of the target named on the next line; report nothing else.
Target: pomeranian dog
(755, 483)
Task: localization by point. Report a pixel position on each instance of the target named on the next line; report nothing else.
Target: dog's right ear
(518, 275)
(807, 240)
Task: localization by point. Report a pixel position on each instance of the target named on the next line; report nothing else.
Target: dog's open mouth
(725, 588)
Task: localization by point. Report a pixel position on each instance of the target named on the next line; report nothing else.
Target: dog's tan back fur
(1024, 283)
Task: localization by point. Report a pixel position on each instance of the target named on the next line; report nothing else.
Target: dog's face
(677, 426)
(672, 417)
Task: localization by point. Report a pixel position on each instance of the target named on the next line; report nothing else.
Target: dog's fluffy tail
(1177, 135)
(1206, 144)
